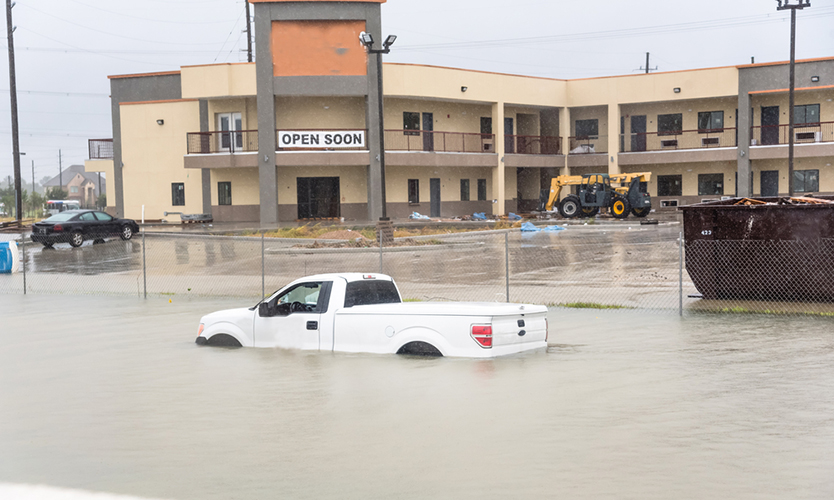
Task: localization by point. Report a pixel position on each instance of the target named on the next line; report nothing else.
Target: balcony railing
(684, 139)
(442, 142)
(588, 145)
(805, 133)
(532, 145)
(100, 149)
(240, 141)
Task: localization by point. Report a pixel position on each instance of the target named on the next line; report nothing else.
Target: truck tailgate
(517, 328)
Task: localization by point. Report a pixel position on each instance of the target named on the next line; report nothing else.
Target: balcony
(100, 149)
(532, 145)
(682, 140)
(242, 141)
(806, 133)
(439, 142)
(582, 145)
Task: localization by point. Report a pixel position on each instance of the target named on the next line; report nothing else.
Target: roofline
(476, 71)
(779, 63)
(650, 74)
(142, 75)
(216, 64)
(163, 101)
(775, 91)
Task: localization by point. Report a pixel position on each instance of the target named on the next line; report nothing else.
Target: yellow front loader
(621, 194)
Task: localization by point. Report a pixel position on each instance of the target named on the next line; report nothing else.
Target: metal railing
(322, 147)
(683, 139)
(594, 144)
(442, 142)
(100, 149)
(532, 145)
(239, 141)
(805, 133)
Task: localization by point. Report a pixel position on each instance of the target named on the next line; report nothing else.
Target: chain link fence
(583, 267)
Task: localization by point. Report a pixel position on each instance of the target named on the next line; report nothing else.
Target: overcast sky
(65, 49)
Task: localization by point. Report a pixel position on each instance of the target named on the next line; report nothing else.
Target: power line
(63, 94)
(145, 18)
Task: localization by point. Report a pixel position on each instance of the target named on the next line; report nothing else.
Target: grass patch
(589, 305)
(743, 310)
(412, 300)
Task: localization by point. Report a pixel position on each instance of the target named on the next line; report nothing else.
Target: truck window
(360, 293)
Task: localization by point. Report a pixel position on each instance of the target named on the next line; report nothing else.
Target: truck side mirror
(263, 310)
(283, 309)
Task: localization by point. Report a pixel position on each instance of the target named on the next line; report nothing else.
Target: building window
(710, 184)
(464, 190)
(669, 185)
(411, 121)
(586, 129)
(481, 189)
(413, 190)
(74, 189)
(669, 124)
(224, 193)
(177, 194)
(486, 125)
(806, 114)
(806, 181)
(710, 121)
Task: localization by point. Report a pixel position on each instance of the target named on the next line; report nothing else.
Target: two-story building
(296, 135)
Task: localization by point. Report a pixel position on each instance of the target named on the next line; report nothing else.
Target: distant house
(79, 185)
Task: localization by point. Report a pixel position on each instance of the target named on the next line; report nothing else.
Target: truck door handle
(312, 325)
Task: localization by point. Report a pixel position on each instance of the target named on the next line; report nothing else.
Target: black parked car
(75, 226)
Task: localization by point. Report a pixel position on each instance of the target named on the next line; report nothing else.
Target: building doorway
(434, 193)
(770, 182)
(231, 138)
(770, 125)
(428, 132)
(638, 133)
(318, 197)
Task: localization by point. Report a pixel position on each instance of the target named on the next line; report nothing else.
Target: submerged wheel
(127, 233)
(589, 211)
(569, 207)
(620, 208)
(418, 348)
(641, 212)
(76, 239)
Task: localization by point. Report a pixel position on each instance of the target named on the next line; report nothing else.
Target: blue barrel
(8, 257)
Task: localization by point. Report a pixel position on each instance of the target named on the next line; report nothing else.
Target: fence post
(263, 266)
(379, 236)
(23, 251)
(680, 274)
(507, 260)
(144, 266)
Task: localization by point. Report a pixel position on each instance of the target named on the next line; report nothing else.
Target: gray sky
(65, 49)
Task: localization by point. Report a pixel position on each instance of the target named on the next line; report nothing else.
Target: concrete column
(613, 138)
(204, 127)
(564, 132)
(267, 172)
(498, 180)
(743, 123)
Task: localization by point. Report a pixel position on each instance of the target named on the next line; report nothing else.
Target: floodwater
(112, 395)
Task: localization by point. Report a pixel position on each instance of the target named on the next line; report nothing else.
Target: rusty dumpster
(777, 248)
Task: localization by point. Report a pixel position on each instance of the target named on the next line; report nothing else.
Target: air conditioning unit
(808, 136)
(670, 143)
(668, 203)
(487, 147)
(710, 141)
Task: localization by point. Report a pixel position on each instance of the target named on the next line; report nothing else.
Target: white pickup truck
(364, 313)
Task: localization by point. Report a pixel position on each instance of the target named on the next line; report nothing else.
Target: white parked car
(365, 313)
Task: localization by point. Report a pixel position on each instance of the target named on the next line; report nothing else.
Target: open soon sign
(323, 139)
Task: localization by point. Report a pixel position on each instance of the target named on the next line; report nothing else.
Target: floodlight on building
(389, 41)
(160, 122)
(676, 90)
(815, 79)
(367, 39)
(464, 89)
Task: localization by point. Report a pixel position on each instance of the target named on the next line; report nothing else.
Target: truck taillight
(482, 335)
(200, 330)
(546, 330)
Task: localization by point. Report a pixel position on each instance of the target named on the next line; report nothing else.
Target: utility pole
(793, 5)
(647, 68)
(13, 95)
(60, 173)
(248, 33)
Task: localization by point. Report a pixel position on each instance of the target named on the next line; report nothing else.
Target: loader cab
(595, 190)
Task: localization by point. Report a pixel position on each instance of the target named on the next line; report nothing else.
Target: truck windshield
(360, 293)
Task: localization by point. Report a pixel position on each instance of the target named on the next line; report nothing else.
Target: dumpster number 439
(706, 232)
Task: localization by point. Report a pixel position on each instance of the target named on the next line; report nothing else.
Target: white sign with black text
(321, 139)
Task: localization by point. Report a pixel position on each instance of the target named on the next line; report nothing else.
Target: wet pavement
(111, 394)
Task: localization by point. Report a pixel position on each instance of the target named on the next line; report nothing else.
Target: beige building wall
(105, 167)
(396, 182)
(689, 176)
(825, 98)
(823, 164)
(244, 181)
(319, 113)
(218, 80)
(353, 182)
(689, 110)
(247, 107)
(448, 116)
(153, 157)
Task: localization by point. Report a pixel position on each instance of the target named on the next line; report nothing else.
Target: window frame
(678, 117)
(413, 191)
(804, 174)
(486, 125)
(222, 195)
(177, 196)
(804, 108)
(703, 179)
(411, 123)
(482, 189)
(464, 190)
(710, 116)
(586, 124)
(665, 181)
